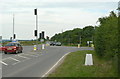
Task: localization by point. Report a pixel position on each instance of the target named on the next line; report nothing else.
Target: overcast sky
(53, 15)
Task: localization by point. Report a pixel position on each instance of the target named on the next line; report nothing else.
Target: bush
(106, 36)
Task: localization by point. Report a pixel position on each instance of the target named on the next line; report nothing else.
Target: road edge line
(55, 64)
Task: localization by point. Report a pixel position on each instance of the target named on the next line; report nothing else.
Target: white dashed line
(14, 59)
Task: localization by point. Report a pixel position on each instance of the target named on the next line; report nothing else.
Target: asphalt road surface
(34, 64)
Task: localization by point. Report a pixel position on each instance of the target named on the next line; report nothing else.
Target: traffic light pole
(37, 31)
(35, 11)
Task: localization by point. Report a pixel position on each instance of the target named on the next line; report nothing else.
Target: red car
(13, 47)
(1, 48)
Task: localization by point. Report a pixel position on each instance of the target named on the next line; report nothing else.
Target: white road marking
(4, 63)
(12, 59)
(31, 55)
(55, 64)
(15, 59)
(23, 57)
(6, 58)
(15, 63)
(35, 54)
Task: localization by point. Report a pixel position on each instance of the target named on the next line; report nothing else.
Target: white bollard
(88, 59)
(78, 45)
(35, 48)
(43, 46)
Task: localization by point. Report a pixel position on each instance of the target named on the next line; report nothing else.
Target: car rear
(13, 48)
(10, 49)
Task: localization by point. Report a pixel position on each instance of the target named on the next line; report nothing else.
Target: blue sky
(53, 15)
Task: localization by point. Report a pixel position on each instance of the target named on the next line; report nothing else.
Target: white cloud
(54, 15)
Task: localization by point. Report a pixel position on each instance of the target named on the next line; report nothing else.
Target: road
(34, 64)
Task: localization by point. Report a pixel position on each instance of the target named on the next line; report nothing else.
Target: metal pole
(37, 30)
(13, 26)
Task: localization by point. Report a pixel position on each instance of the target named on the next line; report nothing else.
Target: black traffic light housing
(14, 36)
(35, 32)
(40, 35)
(35, 11)
(43, 34)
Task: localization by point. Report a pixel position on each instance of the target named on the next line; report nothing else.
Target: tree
(106, 36)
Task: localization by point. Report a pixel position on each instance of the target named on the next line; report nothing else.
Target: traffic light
(35, 11)
(40, 35)
(35, 32)
(14, 36)
(47, 37)
(10, 38)
(43, 34)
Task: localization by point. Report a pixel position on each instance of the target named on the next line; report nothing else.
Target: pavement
(34, 63)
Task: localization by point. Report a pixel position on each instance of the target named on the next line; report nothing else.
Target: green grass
(73, 66)
(28, 43)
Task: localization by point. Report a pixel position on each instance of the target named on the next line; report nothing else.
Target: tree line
(104, 36)
(75, 36)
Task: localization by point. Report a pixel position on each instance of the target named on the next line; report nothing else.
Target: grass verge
(29, 43)
(73, 66)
